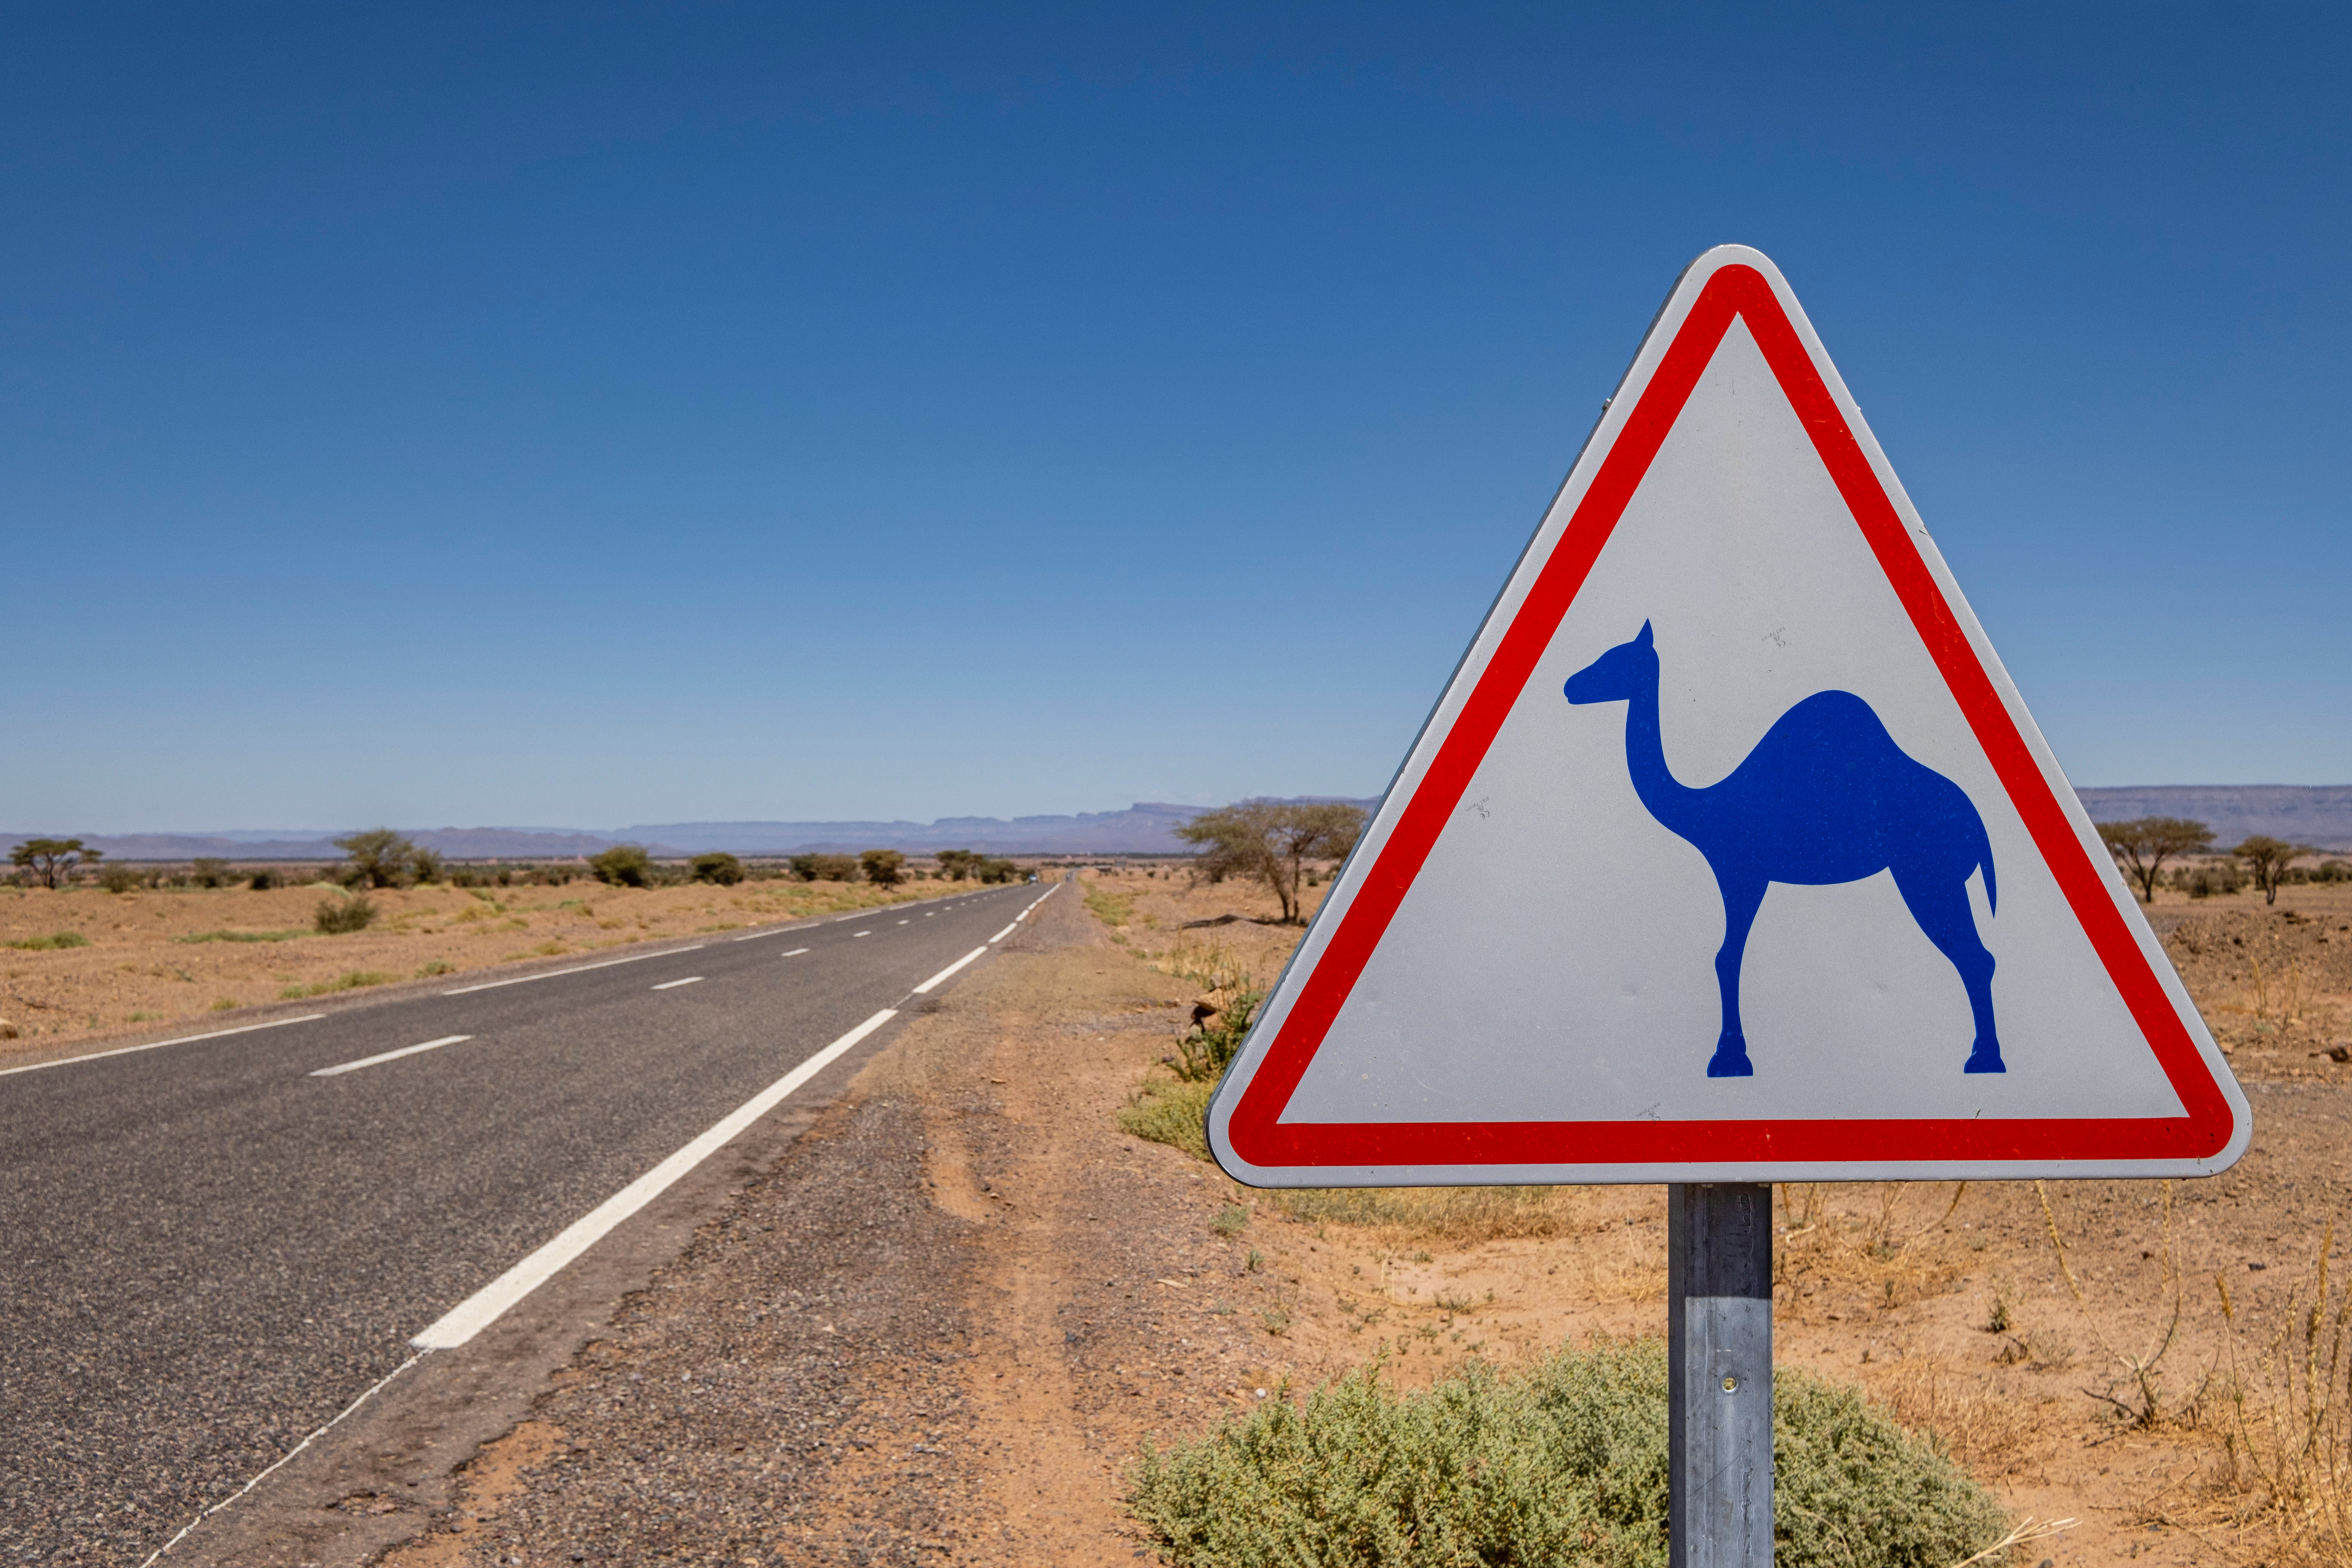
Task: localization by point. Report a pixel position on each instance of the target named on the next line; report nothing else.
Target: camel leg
(1739, 906)
(1940, 904)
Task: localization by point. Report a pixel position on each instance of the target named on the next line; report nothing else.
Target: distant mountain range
(1147, 827)
(2315, 814)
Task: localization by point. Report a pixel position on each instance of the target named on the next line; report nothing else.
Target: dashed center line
(674, 984)
(575, 969)
(795, 954)
(390, 1055)
(859, 934)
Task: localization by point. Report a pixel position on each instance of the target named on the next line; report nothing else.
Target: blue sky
(589, 415)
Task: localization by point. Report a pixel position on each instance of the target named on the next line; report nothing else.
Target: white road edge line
(484, 1306)
(575, 969)
(1008, 931)
(336, 1420)
(390, 1055)
(158, 1044)
(950, 969)
(674, 984)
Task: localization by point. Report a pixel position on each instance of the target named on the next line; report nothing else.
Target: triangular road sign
(1730, 688)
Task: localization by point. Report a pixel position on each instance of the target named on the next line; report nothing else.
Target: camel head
(1623, 672)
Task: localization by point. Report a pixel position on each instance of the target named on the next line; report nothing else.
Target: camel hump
(1837, 723)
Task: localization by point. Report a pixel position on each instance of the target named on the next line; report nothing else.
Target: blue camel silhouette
(1826, 796)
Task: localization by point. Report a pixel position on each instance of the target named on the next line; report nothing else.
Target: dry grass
(1460, 1216)
(2287, 1420)
(1985, 1427)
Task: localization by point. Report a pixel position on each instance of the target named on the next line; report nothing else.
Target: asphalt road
(208, 1249)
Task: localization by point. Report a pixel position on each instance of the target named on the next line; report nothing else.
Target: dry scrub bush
(339, 917)
(2287, 1420)
(1565, 1463)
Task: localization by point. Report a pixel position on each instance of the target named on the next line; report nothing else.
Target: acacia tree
(2266, 861)
(2145, 843)
(883, 867)
(380, 857)
(1269, 840)
(52, 860)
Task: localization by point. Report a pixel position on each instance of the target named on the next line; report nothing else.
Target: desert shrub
(53, 942)
(717, 867)
(263, 882)
(209, 873)
(120, 878)
(425, 865)
(824, 868)
(622, 866)
(882, 868)
(998, 871)
(1220, 1024)
(2205, 881)
(1172, 1112)
(339, 917)
(955, 865)
(1564, 1463)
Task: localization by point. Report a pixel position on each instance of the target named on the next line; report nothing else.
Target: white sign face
(1731, 853)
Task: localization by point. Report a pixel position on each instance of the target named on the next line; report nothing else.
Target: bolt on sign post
(1814, 903)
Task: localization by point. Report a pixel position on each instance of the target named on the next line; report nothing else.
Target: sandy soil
(169, 957)
(1037, 1294)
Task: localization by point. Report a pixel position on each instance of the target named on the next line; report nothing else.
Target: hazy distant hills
(2320, 815)
(2317, 815)
(1147, 827)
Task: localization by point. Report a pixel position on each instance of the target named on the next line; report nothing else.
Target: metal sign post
(1719, 1374)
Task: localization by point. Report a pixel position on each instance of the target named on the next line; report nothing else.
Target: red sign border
(1256, 1130)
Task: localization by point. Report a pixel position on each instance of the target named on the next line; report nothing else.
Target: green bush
(824, 868)
(717, 867)
(207, 872)
(120, 878)
(1171, 1113)
(263, 882)
(882, 868)
(622, 866)
(1564, 1463)
(50, 944)
(340, 917)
